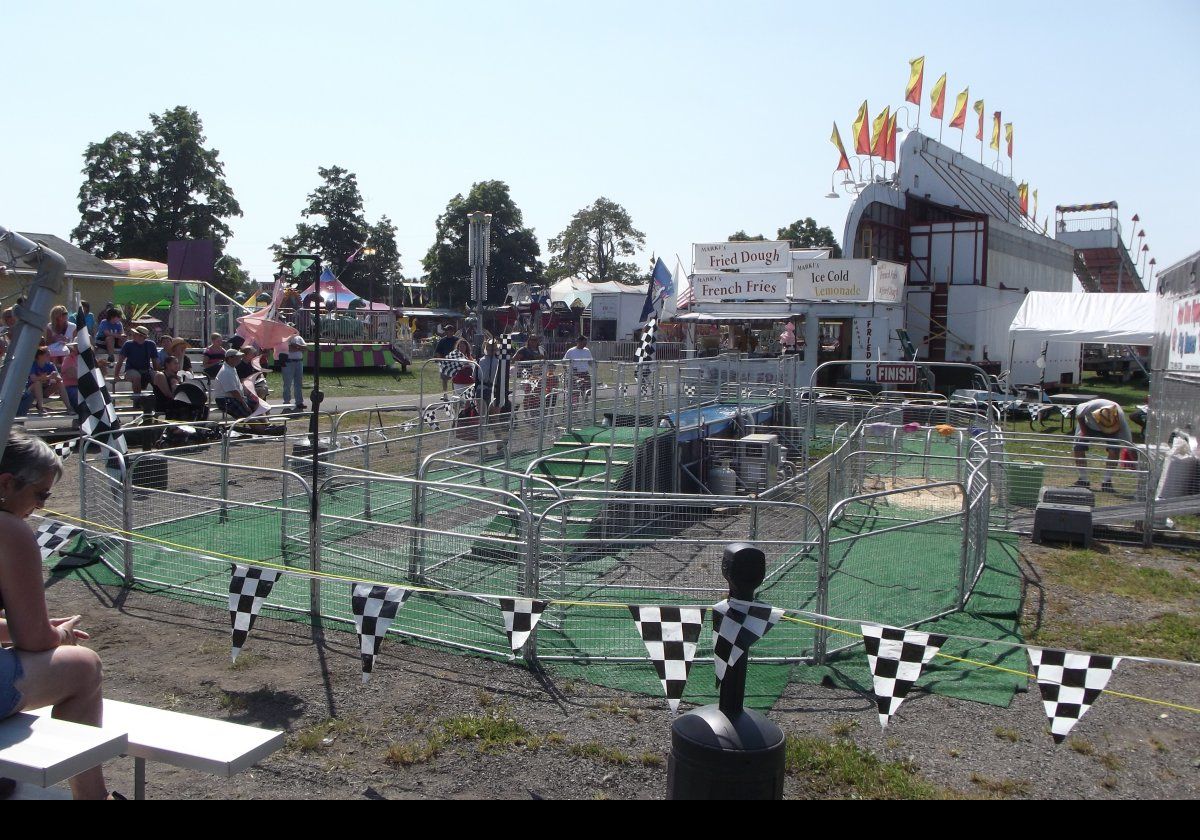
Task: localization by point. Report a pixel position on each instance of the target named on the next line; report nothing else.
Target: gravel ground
(575, 740)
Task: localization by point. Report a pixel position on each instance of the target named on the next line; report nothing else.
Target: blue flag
(662, 286)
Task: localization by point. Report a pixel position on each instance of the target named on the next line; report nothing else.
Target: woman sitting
(44, 382)
(44, 665)
(178, 350)
(164, 384)
(214, 356)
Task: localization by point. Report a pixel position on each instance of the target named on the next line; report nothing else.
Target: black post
(727, 751)
(316, 397)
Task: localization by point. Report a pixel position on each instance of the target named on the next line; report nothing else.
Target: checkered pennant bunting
(453, 363)
(646, 349)
(374, 608)
(670, 635)
(521, 615)
(896, 658)
(431, 415)
(1070, 683)
(500, 382)
(97, 414)
(51, 536)
(736, 626)
(248, 589)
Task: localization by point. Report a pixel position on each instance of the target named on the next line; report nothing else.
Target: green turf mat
(993, 612)
(765, 684)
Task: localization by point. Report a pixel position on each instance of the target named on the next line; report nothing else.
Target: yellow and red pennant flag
(1008, 135)
(937, 98)
(1035, 206)
(979, 111)
(879, 133)
(889, 153)
(995, 142)
(862, 131)
(843, 161)
(959, 118)
(916, 80)
(1023, 197)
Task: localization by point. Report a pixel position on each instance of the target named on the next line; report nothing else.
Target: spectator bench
(147, 734)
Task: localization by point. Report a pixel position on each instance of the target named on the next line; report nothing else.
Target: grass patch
(232, 703)
(320, 735)
(409, 753)
(1111, 762)
(843, 769)
(843, 728)
(1170, 636)
(599, 752)
(494, 731)
(649, 759)
(1001, 787)
(615, 708)
(1081, 746)
(1010, 735)
(1090, 571)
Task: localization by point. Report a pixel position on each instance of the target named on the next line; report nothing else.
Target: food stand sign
(889, 282)
(743, 257)
(1185, 334)
(714, 288)
(895, 374)
(846, 280)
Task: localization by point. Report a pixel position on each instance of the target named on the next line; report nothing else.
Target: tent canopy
(152, 292)
(572, 290)
(1086, 318)
(337, 296)
(139, 268)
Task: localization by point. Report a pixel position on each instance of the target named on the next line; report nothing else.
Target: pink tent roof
(335, 293)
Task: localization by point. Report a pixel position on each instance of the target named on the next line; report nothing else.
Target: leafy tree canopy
(805, 234)
(514, 247)
(338, 232)
(141, 191)
(593, 243)
(742, 236)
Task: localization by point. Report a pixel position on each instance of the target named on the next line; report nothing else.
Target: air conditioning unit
(758, 462)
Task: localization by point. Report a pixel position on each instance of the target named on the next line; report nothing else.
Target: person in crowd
(177, 348)
(163, 383)
(787, 339)
(89, 320)
(1100, 418)
(44, 381)
(138, 358)
(489, 370)
(444, 348)
(58, 333)
(228, 390)
(292, 366)
(580, 358)
(70, 377)
(214, 355)
(162, 341)
(8, 325)
(529, 352)
(249, 366)
(43, 663)
(110, 334)
(464, 375)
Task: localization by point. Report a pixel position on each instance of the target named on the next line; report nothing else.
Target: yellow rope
(430, 591)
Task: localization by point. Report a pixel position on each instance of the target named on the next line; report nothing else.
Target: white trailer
(616, 316)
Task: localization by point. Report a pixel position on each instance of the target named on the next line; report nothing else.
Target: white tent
(1086, 318)
(572, 290)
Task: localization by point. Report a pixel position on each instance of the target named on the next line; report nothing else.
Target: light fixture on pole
(479, 255)
(1133, 230)
(832, 189)
(1150, 276)
(1142, 256)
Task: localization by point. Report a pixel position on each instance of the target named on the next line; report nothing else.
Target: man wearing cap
(1100, 418)
(228, 390)
(293, 371)
(138, 358)
(444, 348)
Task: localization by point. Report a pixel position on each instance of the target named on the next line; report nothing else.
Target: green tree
(378, 273)
(141, 191)
(742, 236)
(338, 227)
(515, 249)
(805, 234)
(594, 241)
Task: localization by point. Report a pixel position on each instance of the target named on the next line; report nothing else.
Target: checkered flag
(453, 363)
(521, 615)
(896, 658)
(670, 635)
(736, 626)
(500, 382)
(97, 414)
(645, 350)
(248, 589)
(63, 449)
(374, 608)
(1070, 683)
(52, 536)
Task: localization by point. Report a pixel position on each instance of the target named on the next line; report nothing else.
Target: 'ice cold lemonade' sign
(742, 257)
(714, 288)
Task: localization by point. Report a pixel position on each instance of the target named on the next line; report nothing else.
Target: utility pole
(479, 255)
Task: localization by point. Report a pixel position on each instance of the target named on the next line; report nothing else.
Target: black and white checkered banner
(63, 449)
(521, 615)
(374, 609)
(97, 414)
(249, 587)
(646, 349)
(736, 626)
(896, 658)
(453, 363)
(670, 635)
(1070, 683)
(500, 382)
(51, 536)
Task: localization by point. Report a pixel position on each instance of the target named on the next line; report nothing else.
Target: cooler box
(1024, 483)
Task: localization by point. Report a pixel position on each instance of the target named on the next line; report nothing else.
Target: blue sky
(701, 118)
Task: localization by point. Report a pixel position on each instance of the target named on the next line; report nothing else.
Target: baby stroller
(189, 405)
